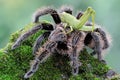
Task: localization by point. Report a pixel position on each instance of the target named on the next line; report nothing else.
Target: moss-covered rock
(15, 63)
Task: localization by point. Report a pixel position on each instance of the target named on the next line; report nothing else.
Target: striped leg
(36, 63)
(97, 47)
(39, 41)
(43, 53)
(42, 26)
(104, 37)
(78, 45)
(44, 11)
(74, 62)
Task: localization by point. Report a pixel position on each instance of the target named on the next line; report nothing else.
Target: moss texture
(15, 63)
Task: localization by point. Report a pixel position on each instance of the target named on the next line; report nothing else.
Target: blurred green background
(15, 14)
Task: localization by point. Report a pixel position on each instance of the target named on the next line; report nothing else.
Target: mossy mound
(15, 63)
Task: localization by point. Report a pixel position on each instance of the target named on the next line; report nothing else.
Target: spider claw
(75, 71)
(103, 61)
(28, 74)
(14, 46)
(110, 74)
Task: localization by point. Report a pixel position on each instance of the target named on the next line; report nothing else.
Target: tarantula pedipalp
(60, 42)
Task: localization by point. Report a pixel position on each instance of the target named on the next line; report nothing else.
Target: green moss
(15, 63)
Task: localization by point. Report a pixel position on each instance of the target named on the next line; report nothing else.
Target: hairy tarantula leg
(31, 72)
(97, 45)
(45, 11)
(43, 53)
(66, 9)
(39, 41)
(42, 26)
(77, 43)
(39, 59)
(74, 62)
(104, 37)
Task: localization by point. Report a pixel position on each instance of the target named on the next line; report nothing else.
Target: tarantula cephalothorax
(62, 42)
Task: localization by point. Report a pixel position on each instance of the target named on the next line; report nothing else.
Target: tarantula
(59, 41)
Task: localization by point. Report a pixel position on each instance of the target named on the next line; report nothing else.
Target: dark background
(15, 14)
